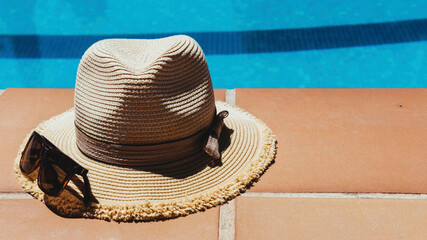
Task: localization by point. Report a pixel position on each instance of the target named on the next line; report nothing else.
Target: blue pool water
(247, 43)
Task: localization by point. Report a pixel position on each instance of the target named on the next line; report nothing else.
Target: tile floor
(332, 144)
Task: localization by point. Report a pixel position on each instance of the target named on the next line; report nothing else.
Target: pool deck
(351, 164)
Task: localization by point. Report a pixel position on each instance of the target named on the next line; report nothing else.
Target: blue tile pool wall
(247, 43)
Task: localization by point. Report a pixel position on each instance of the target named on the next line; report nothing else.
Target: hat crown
(132, 91)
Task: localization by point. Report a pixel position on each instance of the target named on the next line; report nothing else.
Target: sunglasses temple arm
(87, 189)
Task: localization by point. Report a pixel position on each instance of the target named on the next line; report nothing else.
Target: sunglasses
(55, 168)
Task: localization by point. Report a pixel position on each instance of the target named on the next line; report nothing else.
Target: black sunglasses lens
(52, 177)
(31, 155)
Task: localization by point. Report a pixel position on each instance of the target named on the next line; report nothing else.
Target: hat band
(142, 155)
(139, 155)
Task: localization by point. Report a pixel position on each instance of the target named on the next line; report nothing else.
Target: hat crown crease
(136, 55)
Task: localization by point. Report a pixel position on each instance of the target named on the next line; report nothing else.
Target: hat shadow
(75, 194)
(70, 196)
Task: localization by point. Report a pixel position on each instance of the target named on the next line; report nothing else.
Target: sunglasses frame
(67, 164)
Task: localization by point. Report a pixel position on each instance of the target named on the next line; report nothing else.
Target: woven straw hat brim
(158, 192)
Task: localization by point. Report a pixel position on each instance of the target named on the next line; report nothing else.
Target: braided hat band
(140, 155)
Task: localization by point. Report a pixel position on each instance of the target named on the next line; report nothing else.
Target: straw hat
(134, 100)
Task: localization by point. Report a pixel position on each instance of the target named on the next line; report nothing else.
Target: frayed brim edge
(146, 211)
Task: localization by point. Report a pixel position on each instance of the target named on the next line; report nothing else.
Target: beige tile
(285, 218)
(219, 94)
(343, 140)
(30, 219)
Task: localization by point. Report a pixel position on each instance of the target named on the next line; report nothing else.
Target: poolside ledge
(351, 163)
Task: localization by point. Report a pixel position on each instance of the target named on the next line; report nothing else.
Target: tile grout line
(229, 206)
(226, 221)
(227, 212)
(230, 96)
(339, 195)
(15, 195)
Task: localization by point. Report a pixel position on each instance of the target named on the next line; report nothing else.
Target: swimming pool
(257, 44)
